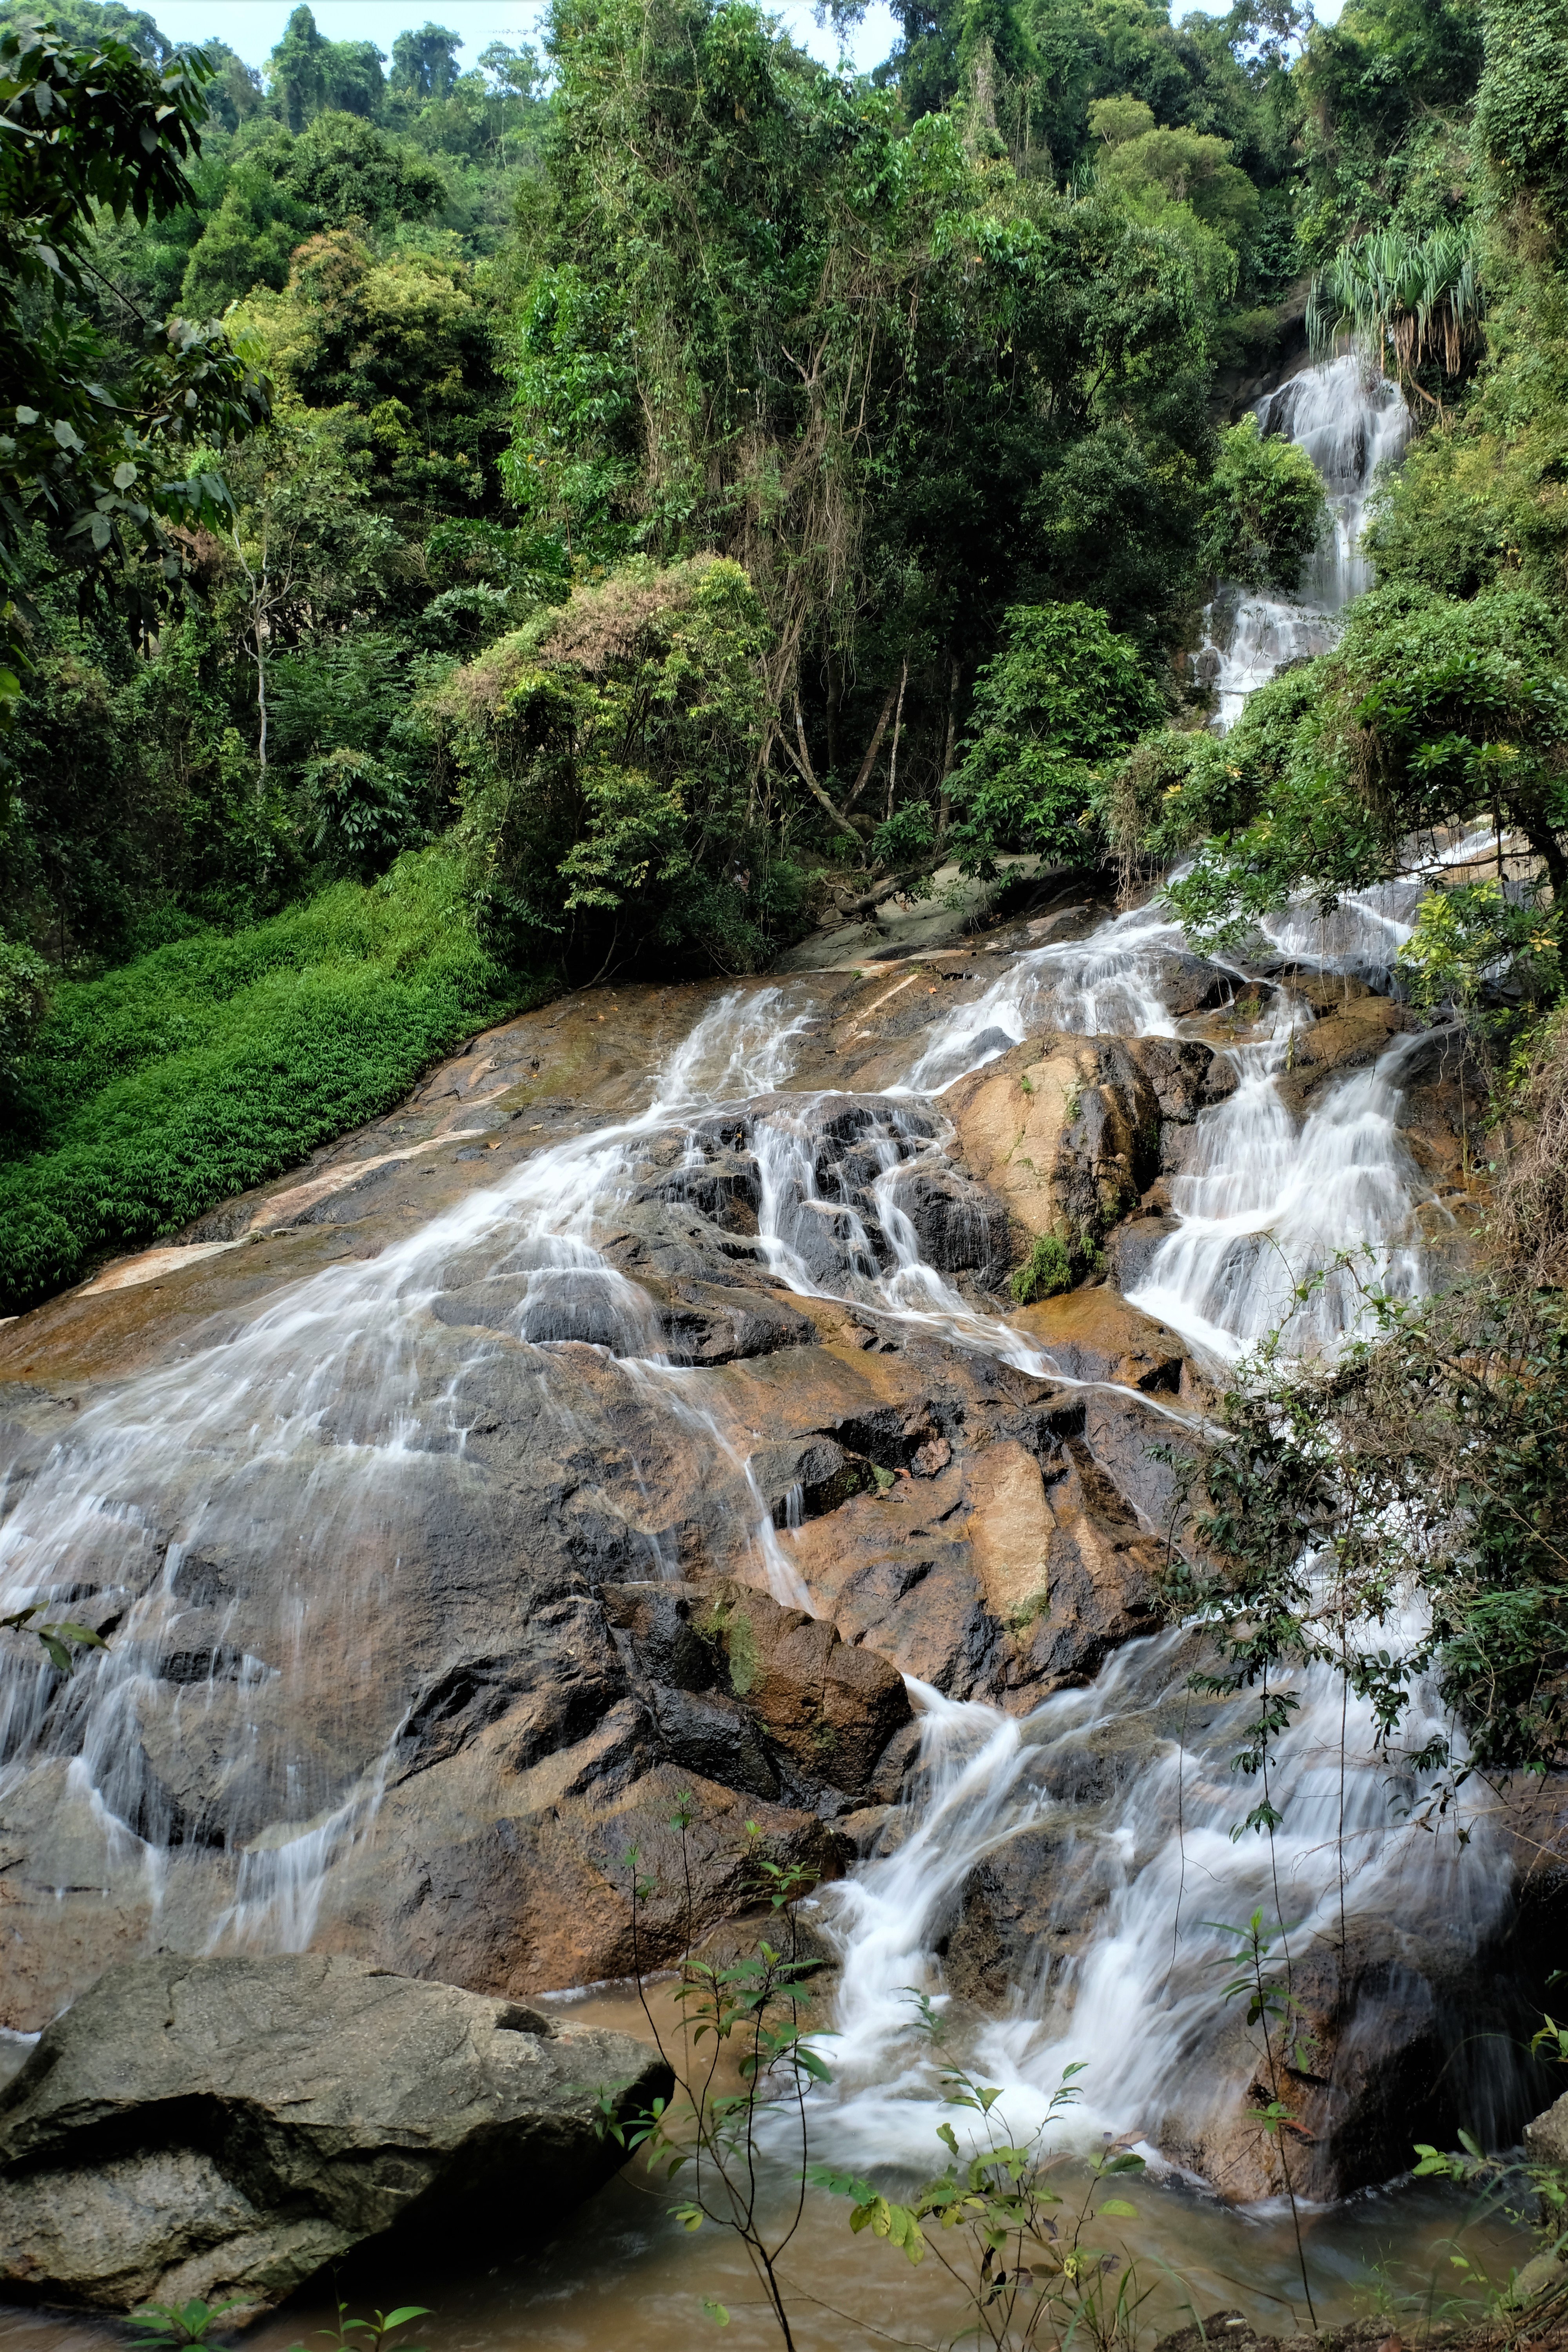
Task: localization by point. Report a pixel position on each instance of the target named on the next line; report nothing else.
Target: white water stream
(1263, 1202)
(1350, 427)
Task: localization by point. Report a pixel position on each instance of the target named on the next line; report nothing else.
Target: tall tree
(98, 129)
(424, 64)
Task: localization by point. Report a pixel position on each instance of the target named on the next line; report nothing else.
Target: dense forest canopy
(472, 525)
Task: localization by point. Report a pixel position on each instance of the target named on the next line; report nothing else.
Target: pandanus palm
(1417, 300)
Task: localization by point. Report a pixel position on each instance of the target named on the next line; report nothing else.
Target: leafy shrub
(1522, 100)
(364, 811)
(1266, 509)
(609, 754)
(1428, 712)
(1429, 1457)
(215, 1063)
(22, 975)
(1484, 952)
(1064, 693)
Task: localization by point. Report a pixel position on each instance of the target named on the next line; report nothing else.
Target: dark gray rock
(223, 2127)
(707, 1324)
(961, 1226)
(711, 1733)
(1131, 1247)
(1185, 1075)
(1189, 984)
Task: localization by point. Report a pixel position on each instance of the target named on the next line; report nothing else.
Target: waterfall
(298, 1437)
(1262, 1202)
(1350, 425)
(1134, 2001)
(294, 1431)
(294, 1438)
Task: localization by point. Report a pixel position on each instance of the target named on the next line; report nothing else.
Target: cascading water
(292, 1437)
(297, 1435)
(1133, 2000)
(1263, 1202)
(1350, 424)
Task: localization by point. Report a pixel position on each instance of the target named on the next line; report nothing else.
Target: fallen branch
(889, 888)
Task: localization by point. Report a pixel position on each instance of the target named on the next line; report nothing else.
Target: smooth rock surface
(223, 2127)
(409, 1685)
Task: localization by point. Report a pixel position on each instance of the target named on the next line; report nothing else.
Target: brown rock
(1095, 1334)
(421, 1721)
(1070, 1130)
(1014, 1119)
(1011, 1528)
(833, 1708)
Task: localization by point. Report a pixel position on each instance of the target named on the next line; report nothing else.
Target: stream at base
(621, 2277)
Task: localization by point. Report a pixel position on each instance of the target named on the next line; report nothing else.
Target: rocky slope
(414, 1702)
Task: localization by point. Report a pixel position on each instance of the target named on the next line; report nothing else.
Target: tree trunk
(1538, 830)
(944, 805)
(898, 723)
(869, 761)
(801, 760)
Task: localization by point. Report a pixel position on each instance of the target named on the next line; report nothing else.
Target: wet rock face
(1395, 2039)
(385, 1698)
(845, 1183)
(1070, 1130)
(222, 2128)
(406, 1681)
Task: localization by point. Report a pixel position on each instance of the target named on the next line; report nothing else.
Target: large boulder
(762, 1697)
(1040, 1130)
(224, 2128)
(1068, 1131)
(831, 1707)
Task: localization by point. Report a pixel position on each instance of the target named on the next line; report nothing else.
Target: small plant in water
(367, 2335)
(1029, 2261)
(1272, 2006)
(167, 2327)
(750, 2013)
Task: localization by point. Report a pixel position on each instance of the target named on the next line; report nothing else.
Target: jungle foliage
(214, 1062)
(685, 471)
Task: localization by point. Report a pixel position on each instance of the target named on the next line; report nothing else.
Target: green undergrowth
(212, 1064)
(1046, 1270)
